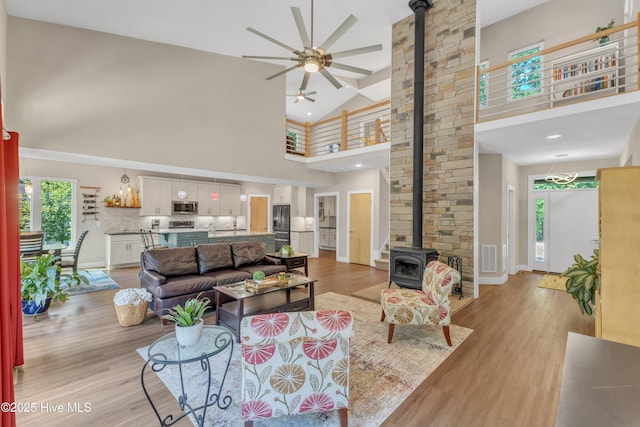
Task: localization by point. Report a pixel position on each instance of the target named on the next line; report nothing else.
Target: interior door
(259, 218)
(360, 228)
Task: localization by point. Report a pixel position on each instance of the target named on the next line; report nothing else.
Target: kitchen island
(175, 238)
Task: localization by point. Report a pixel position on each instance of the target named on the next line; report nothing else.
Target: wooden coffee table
(237, 300)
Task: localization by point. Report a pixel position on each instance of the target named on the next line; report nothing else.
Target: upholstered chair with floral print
(429, 306)
(293, 363)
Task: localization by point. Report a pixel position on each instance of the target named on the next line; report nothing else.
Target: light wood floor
(508, 372)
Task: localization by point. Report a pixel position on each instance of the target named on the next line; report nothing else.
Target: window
(580, 182)
(526, 76)
(484, 81)
(47, 205)
(292, 141)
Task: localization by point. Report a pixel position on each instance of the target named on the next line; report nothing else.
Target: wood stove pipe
(419, 8)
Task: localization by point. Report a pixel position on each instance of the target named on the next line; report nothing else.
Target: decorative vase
(189, 335)
(30, 308)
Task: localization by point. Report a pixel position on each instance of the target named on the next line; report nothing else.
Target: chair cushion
(174, 262)
(268, 270)
(182, 285)
(228, 276)
(414, 307)
(214, 256)
(247, 253)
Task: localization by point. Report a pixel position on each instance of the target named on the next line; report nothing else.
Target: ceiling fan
(303, 96)
(316, 59)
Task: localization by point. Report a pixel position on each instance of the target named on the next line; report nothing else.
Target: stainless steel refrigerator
(281, 225)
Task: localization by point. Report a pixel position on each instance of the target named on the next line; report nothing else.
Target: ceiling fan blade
(311, 93)
(296, 101)
(310, 99)
(272, 40)
(284, 71)
(329, 77)
(305, 80)
(302, 30)
(358, 51)
(348, 23)
(350, 68)
(269, 57)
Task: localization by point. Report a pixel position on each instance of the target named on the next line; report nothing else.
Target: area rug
(381, 375)
(373, 294)
(98, 281)
(553, 281)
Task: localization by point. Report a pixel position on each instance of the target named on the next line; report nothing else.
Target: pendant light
(215, 194)
(182, 194)
(561, 178)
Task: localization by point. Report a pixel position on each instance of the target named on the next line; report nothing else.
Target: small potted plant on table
(42, 283)
(188, 319)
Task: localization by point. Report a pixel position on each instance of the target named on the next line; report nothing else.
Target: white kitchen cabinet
(190, 187)
(230, 203)
(282, 194)
(206, 204)
(155, 196)
(300, 206)
(332, 238)
(302, 241)
(123, 249)
(324, 237)
(291, 195)
(329, 206)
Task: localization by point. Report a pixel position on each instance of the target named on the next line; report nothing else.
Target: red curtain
(10, 301)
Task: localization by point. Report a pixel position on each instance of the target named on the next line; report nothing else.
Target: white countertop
(217, 233)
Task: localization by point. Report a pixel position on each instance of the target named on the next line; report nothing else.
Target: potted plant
(286, 250)
(583, 281)
(188, 319)
(604, 39)
(258, 276)
(42, 282)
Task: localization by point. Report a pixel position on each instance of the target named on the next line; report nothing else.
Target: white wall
(77, 91)
(354, 181)
(490, 206)
(630, 155)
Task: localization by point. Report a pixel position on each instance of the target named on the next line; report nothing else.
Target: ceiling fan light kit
(316, 59)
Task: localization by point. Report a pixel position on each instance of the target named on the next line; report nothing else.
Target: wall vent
(489, 258)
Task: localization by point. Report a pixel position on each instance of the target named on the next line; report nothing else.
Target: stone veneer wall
(448, 132)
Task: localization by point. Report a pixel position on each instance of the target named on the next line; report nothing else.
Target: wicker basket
(130, 314)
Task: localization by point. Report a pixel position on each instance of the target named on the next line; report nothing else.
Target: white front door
(565, 224)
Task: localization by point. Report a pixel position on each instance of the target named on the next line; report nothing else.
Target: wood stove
(407, 264)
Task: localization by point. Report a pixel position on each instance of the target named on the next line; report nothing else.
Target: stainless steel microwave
(183, 207)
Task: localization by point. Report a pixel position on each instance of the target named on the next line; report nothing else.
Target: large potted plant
(583, 281)
(42, 283)
(188, 319)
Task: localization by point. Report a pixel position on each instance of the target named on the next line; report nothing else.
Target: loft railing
(352, 129)
(580, 70)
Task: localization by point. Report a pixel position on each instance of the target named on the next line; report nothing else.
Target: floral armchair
(429, 306)
(294, 363)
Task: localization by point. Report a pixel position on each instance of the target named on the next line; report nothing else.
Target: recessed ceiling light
(358, 165)
(555, 136)
(309, 113)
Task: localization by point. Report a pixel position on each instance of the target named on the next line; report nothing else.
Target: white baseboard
(523, 268)
(86, 265)
(342, 259)
(500, 280)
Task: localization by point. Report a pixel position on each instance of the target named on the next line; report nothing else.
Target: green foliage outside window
(526, 76)
(25, 206)
(55, 207)
(483, 86)
(56, 211)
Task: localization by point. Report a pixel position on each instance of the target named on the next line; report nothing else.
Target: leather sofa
(177, 274)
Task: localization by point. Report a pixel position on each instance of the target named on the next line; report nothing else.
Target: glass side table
(166, 352)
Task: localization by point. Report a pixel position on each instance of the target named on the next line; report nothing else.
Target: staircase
(382, 263)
